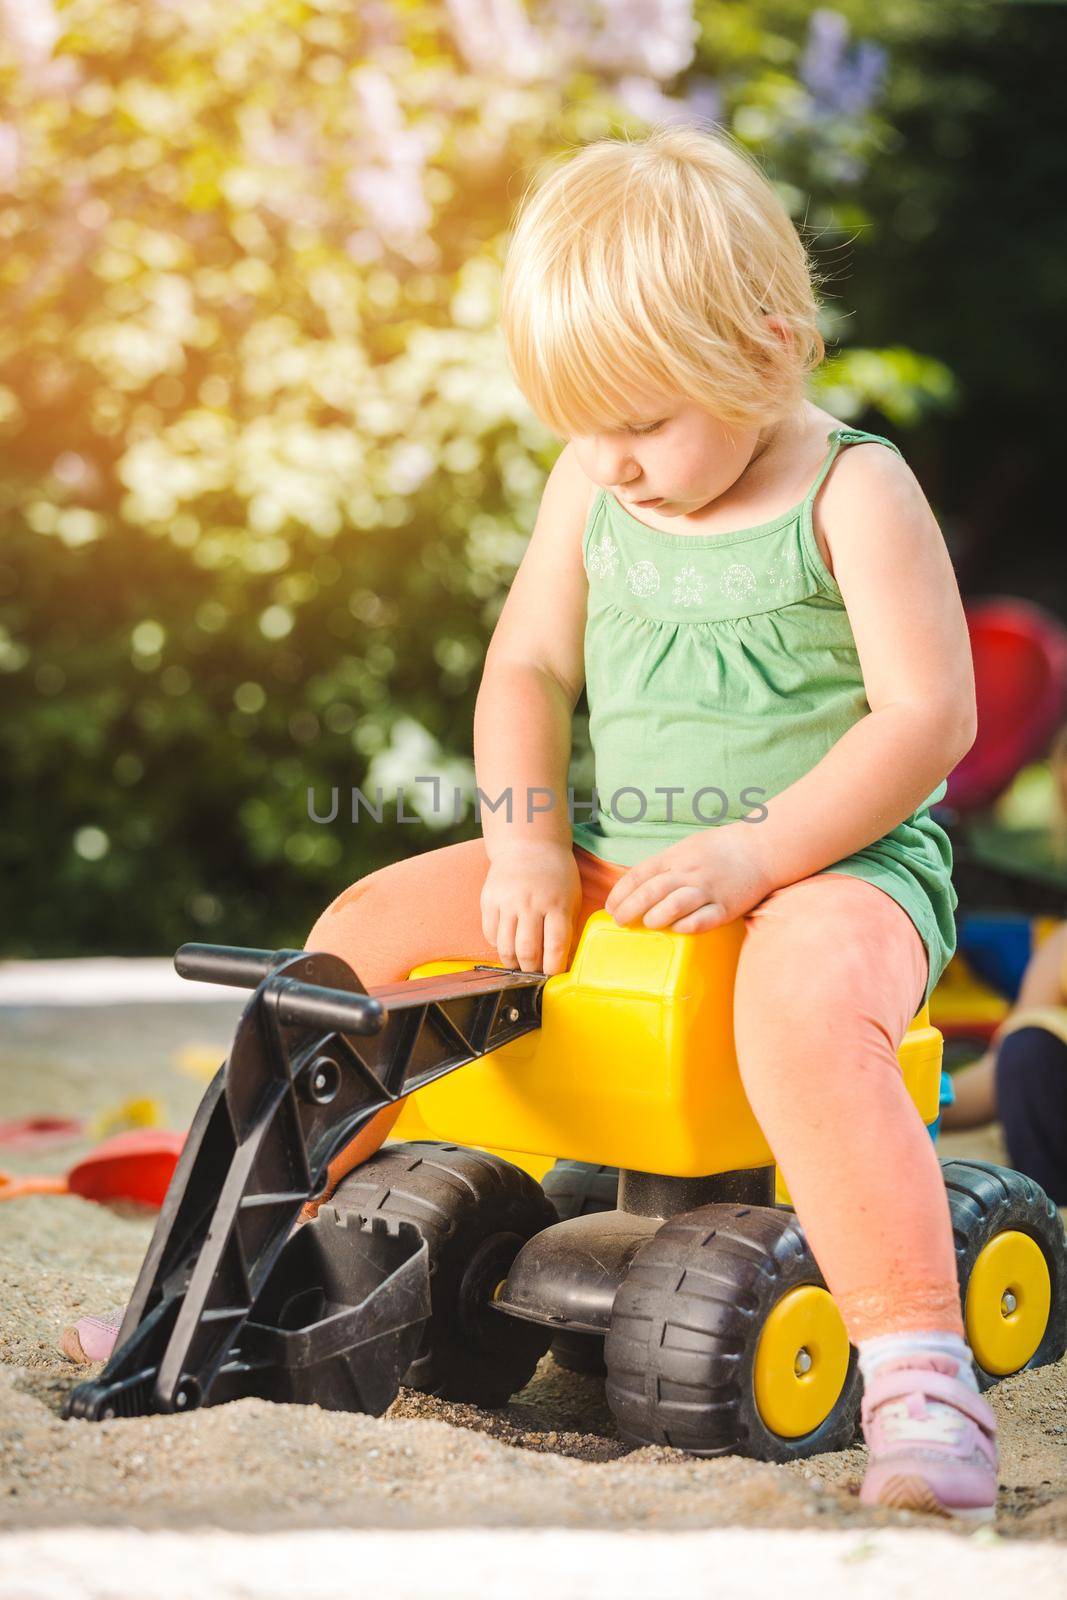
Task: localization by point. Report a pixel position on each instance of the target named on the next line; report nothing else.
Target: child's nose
(612, 464)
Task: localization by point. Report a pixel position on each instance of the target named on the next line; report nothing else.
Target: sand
(550, 1459)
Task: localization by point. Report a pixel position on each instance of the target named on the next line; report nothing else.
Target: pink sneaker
(932, 1441)
(92, 1338)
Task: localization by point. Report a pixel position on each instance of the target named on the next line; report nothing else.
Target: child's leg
(424, 908)
(1031, 1091)
(831, 973)
(428, 908)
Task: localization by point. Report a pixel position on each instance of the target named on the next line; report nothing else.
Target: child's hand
(531, 896)
(704, 881)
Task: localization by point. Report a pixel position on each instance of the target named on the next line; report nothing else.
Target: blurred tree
(964, 254)
(264, 475)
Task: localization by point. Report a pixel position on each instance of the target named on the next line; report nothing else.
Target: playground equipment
(1020, 678)
(1020, 669)
(443, 1264)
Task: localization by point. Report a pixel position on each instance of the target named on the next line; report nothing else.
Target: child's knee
(781, 1054)
(824, 979)
(436, 892)
(803, 1028)
(784, 992)
(352, 906)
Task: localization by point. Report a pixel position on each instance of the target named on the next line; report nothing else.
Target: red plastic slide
(1020, 670)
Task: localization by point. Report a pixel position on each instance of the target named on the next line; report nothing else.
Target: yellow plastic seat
(634, 1064)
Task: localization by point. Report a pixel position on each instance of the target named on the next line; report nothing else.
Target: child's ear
(779, 326)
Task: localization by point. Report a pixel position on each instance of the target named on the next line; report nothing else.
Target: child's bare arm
(534, 671)
(896, 578)
(1045, 979)
(976, 1098)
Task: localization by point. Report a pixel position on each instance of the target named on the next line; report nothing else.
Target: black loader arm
(314, 1058)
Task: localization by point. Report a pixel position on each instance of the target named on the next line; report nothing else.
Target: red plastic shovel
(129, 1166)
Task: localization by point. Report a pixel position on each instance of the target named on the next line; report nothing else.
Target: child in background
(765, 617)
(1022, 1078)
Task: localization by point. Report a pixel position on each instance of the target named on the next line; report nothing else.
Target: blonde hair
(644, 265)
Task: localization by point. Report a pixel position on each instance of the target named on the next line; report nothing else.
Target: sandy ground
(550, 1459)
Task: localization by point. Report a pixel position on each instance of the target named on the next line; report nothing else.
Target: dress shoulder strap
(838, 439)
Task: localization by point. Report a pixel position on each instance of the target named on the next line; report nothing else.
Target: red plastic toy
(1020, 670)
(129, 1166)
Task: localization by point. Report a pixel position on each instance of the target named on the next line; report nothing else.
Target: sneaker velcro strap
(907, 1381)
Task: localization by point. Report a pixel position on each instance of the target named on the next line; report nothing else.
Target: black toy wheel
(725, 1340)
(579, 1352)
(1011, 1257)
(578, 1189)
(475, 1212)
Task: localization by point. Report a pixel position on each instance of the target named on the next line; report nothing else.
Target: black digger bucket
(233, 1297)
(339, 1320)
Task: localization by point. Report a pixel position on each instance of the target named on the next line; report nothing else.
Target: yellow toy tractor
(658, 1245)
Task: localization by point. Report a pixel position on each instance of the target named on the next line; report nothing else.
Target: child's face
(672, 451)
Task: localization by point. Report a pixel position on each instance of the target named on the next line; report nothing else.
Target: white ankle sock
(873, 1353)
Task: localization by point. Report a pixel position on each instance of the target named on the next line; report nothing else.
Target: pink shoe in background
(92, 1338)
(932, 1441)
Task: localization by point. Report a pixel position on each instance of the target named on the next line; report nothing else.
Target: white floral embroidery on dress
(738, 582)
(603, 557)
(643, 578)
(784, 573)
(688, 587)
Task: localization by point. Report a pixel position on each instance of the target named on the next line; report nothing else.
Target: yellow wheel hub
(1009, 1295)
(801, 1362)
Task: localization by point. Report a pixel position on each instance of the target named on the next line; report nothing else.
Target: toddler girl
(765, 617)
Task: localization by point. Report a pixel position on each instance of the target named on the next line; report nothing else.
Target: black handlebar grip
(228, 963)
(300, 1005)
(309, 1005)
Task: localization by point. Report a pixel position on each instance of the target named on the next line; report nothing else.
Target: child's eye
(651, 428)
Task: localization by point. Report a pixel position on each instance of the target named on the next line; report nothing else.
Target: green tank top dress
(720, 668)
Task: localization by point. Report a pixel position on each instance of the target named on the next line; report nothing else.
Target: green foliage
(901, 384)
(264, 474)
